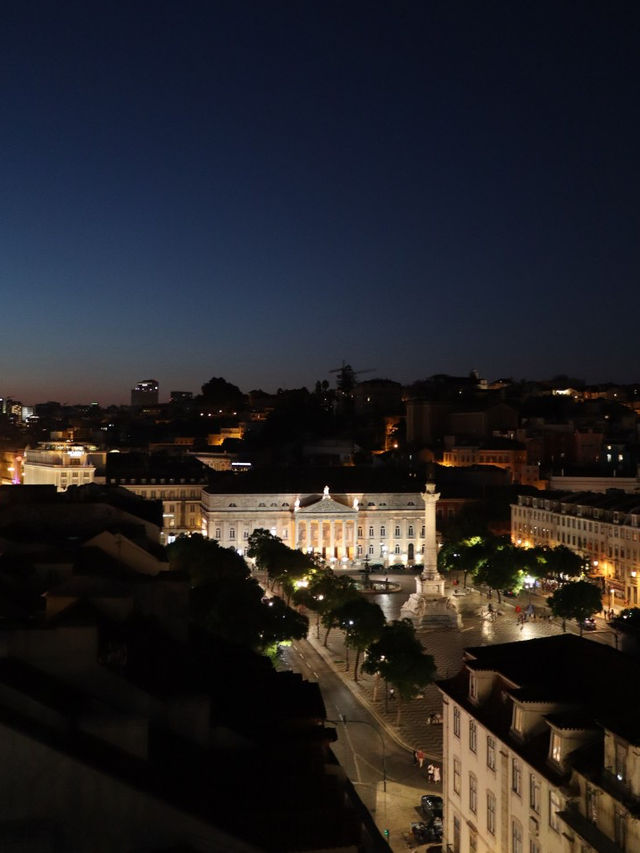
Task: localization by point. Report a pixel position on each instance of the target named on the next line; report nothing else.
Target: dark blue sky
(258, 190)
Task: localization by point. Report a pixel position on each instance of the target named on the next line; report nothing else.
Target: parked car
(431, 807)
(589, 624)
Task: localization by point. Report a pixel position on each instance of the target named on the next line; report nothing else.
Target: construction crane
(347, 377)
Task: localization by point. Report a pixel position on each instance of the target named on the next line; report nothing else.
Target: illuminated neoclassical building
(345, 525)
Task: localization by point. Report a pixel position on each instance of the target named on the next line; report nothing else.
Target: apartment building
(604, 528)
(540, 749)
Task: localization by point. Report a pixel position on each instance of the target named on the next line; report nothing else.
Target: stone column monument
(428, 605)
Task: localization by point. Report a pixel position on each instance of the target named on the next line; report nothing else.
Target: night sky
(259, 190)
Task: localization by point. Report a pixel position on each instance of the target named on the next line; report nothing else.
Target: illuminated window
(518, 719)
(556, 747)
(456, 721)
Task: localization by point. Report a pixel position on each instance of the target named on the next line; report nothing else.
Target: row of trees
(499, 564)
(390, 651)
(227, 602)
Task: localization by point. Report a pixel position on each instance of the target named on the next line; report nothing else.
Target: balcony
(588, 831)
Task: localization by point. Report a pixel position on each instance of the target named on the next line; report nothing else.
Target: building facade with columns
(343, 526)
(603, 528)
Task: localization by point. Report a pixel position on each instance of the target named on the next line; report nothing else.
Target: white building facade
(523, 762)
(62, 464)
(603, 528)
(385, 527)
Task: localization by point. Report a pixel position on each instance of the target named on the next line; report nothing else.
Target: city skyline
(260, 191)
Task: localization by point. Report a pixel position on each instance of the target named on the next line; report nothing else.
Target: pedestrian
(420, 757)
(436, 775)
(415, 756)
(392, 693)
(430, 772)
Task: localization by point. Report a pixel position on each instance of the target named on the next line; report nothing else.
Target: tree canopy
(577, 600)
(362, 622)
(399, 657)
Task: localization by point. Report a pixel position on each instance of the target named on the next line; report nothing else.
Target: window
(456, 834)
(554, 808)
(217, 536)
(473, 794)
(620, 761)
(473, 686)
(592, 804)
(620, 829)
(456, 721)
(518, 719)
(232, 533)
(371, 549)
(383, 530)
(491, 812)
(245, 534)
(359, 533)
(516, 837)
(396, 550)
(555, 747)
(422, 531)
(397, 533)
(457, 773)
(473, 736)
(534, 793)
(410, 531)
(371, 530)
(534, 846)
(516, 776)
(473, 842)
(491, 753)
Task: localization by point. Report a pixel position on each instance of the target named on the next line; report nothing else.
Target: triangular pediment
(325, 506)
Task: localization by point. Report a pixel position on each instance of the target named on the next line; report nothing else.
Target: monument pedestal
(428, 605)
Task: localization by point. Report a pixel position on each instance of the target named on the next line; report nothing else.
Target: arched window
(410, 531)
(232, 533)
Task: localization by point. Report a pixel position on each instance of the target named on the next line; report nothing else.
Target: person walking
(430, 772)
(420, 757)
(436, 775)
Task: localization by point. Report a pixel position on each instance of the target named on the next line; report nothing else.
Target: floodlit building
(145, 393)
(308, 512)
(604, 528)
(63, 464)
(540, 749)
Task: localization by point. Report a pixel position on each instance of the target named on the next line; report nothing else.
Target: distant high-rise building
(180, 396)
(145, 393)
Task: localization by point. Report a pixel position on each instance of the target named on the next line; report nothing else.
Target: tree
(362, 622)
(500, 570)
(220, 395)
(315, 594)
(563, 563)
(577, 600)
(341, 590)
(398, 656)
(205, 561)
(283, 565)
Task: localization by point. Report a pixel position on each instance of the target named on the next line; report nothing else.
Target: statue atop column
(428, 604)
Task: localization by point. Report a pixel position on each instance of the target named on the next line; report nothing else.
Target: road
(365, 750)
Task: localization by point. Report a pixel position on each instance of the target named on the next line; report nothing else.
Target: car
(589, 624)
(460, 591)
(431, 807)
(509, 593)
